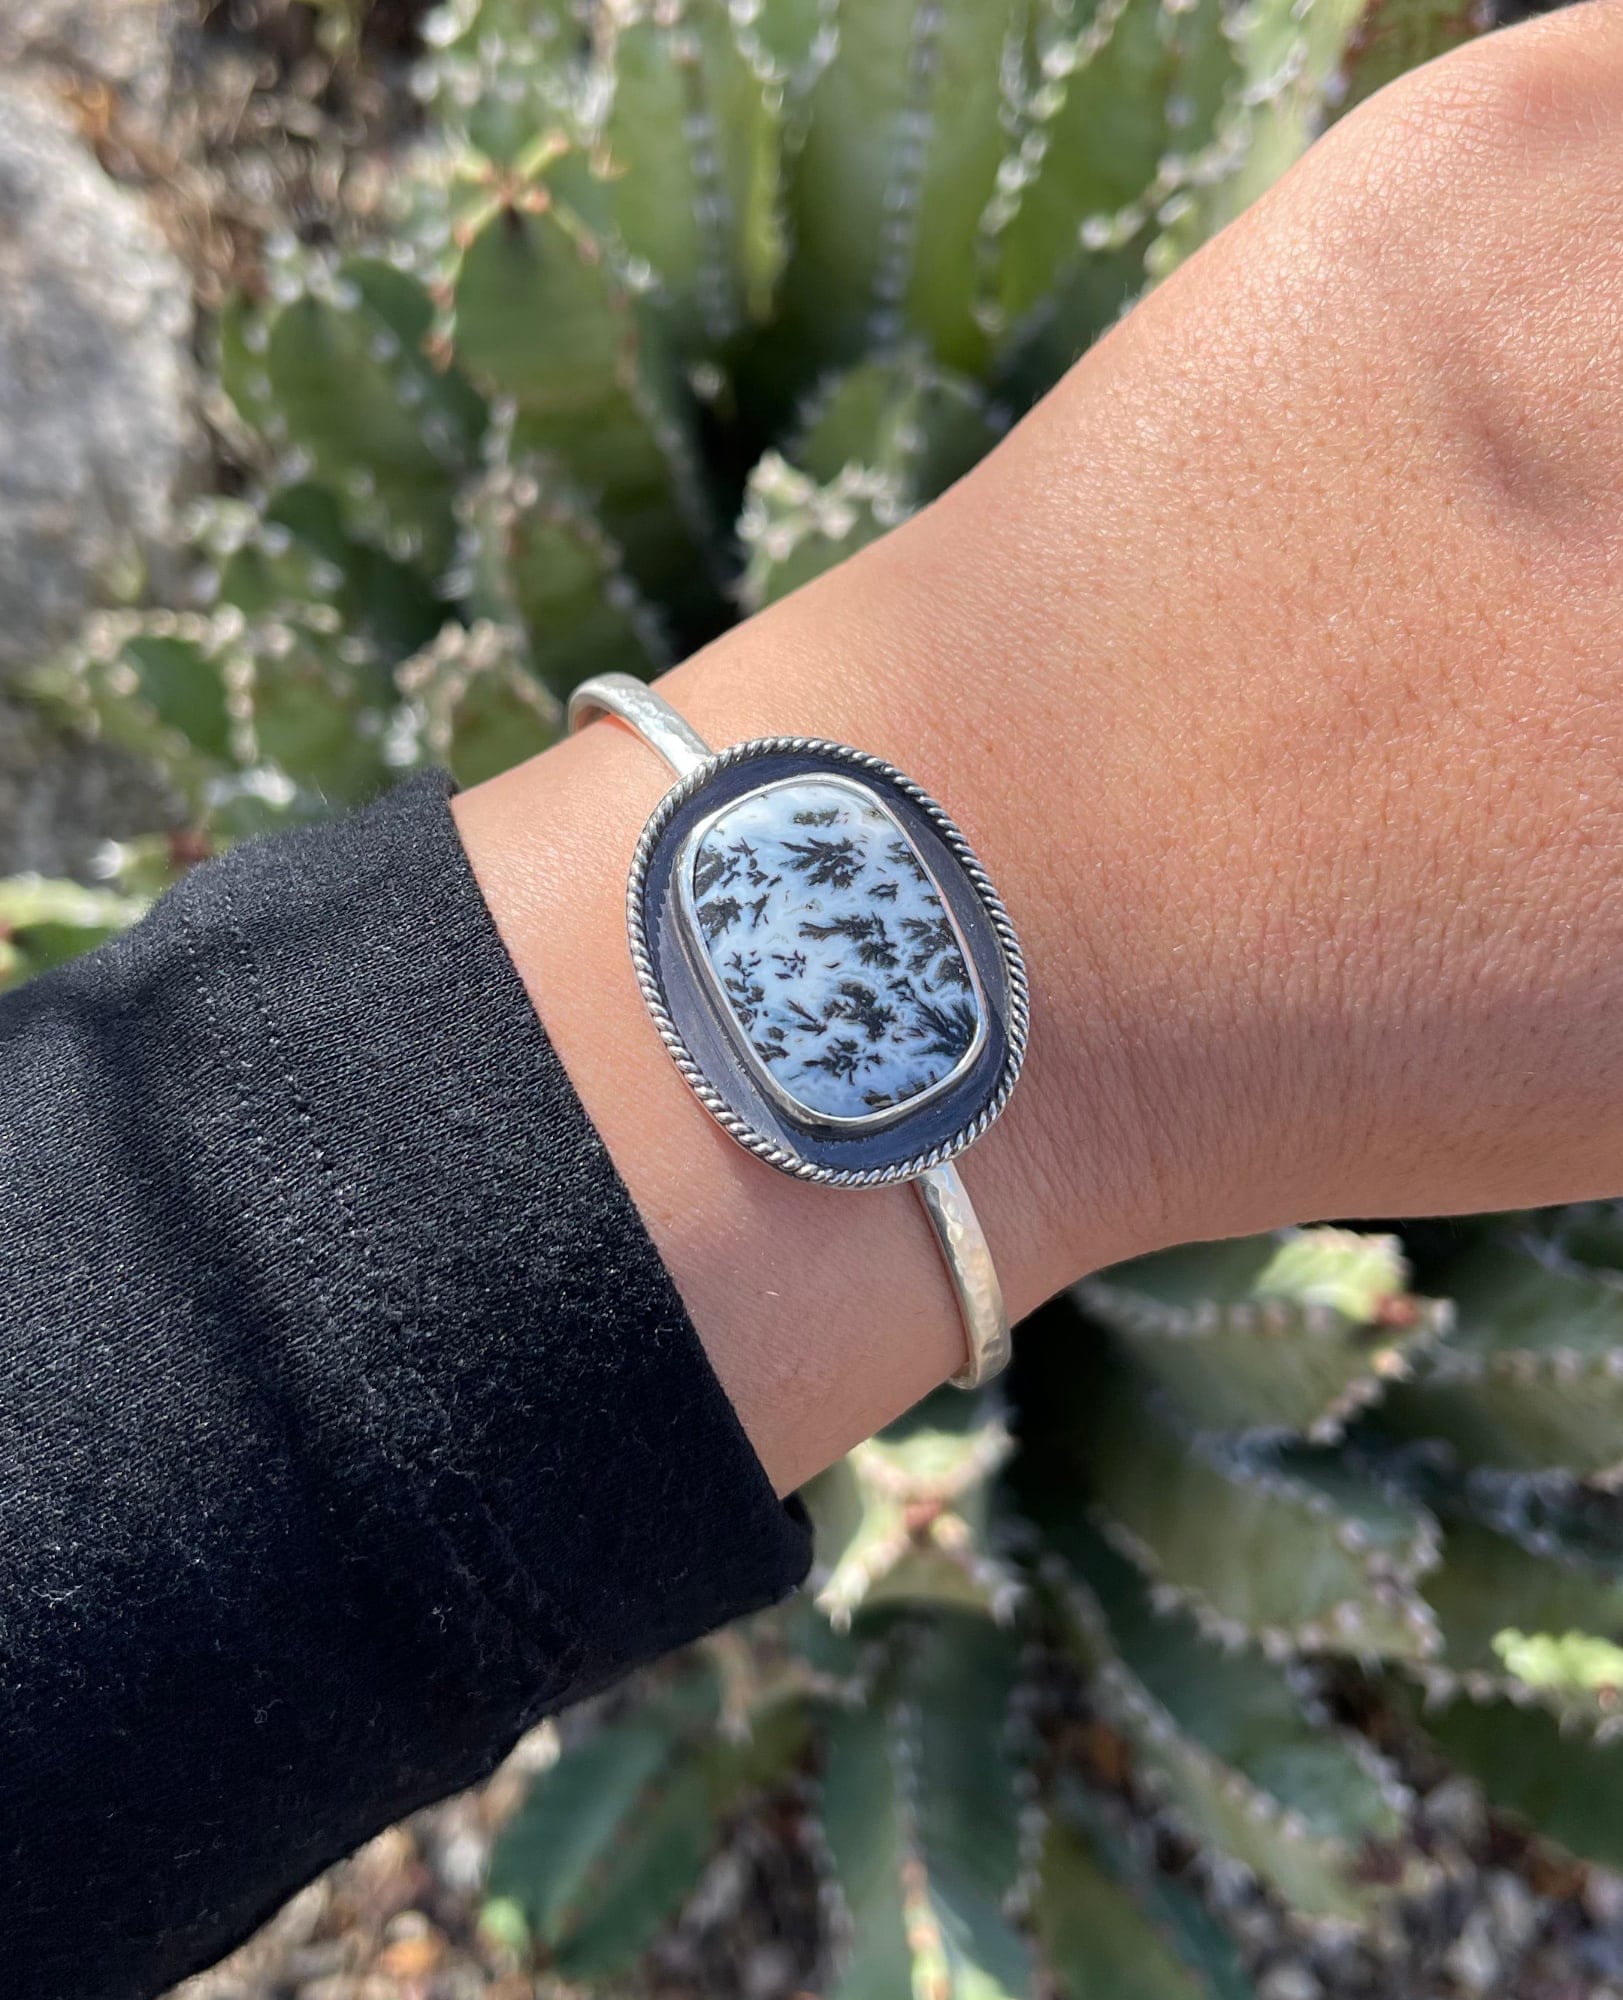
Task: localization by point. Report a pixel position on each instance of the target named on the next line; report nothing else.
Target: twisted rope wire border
(1017, 1028)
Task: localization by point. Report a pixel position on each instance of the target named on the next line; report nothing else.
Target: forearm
(1267, 666)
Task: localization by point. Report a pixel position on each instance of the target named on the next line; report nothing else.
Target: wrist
(826, 1312)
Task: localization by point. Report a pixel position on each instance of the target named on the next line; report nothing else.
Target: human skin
(1274, 667)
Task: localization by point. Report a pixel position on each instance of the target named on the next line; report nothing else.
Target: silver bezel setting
(1016, 1024)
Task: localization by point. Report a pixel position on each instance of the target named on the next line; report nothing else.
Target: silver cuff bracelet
(830, 969)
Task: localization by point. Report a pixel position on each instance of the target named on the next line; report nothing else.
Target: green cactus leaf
(904, 1517)
(899, 160)
(251, 724)
(796, 37)
(45, 923)
(1505, 1602)
(1107, 1926)
(1589, 1234)
(614, 1837)
(1294, 1333)
(900, 416)
(1228, 1742)
(538, 560)
(694, 140)
(922, 1822)
(1527, 1413)
(1289, 1548)
(474, 703)
(575, 1815)
(1531, 1378)
(1176, 1915)
(656, 1865)
(1291, 54)
(1527, 1297)
(312, 709)
(1082, 307)
(1123, 94)
(936, 296)
(659, 1852)
(543, 316)
(182, 679)
(242, 342)
(262, 570)
(360, 398)
(500, 70)
(1397, 35)
(1560, 1777)
(394, 605)
(298, 550)
(167, 687)
(793, 530)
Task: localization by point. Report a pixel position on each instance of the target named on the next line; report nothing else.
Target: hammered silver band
(957, 1230)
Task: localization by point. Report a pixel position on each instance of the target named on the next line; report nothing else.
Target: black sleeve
(348, 1420)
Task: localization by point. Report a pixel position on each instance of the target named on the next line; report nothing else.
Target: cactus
(687, 300)
(644, 247)
(607, 1848)
(1151, 1584)
(44, 923)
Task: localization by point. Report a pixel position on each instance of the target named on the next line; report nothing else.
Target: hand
(1274, 665)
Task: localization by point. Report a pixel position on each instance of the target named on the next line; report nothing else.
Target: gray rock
(126, 43)
(96, 390)
(97, 442)
(60, 798)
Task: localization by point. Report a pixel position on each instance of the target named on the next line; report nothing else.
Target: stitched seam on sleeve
(359, 1242)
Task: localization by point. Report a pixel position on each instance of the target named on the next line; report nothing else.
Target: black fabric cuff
(351, 1420)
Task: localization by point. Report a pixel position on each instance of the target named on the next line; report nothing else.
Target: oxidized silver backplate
(827, 962)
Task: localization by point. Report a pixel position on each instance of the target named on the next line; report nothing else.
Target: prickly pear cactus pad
(687, 300)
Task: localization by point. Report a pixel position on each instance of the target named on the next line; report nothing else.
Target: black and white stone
(826, 961)
(833, 949)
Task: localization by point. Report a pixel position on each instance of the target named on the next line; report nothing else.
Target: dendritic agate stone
(833, 949)
(826, 962)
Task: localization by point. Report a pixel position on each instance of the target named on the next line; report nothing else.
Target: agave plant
(1253, 1530)
(687, 301)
